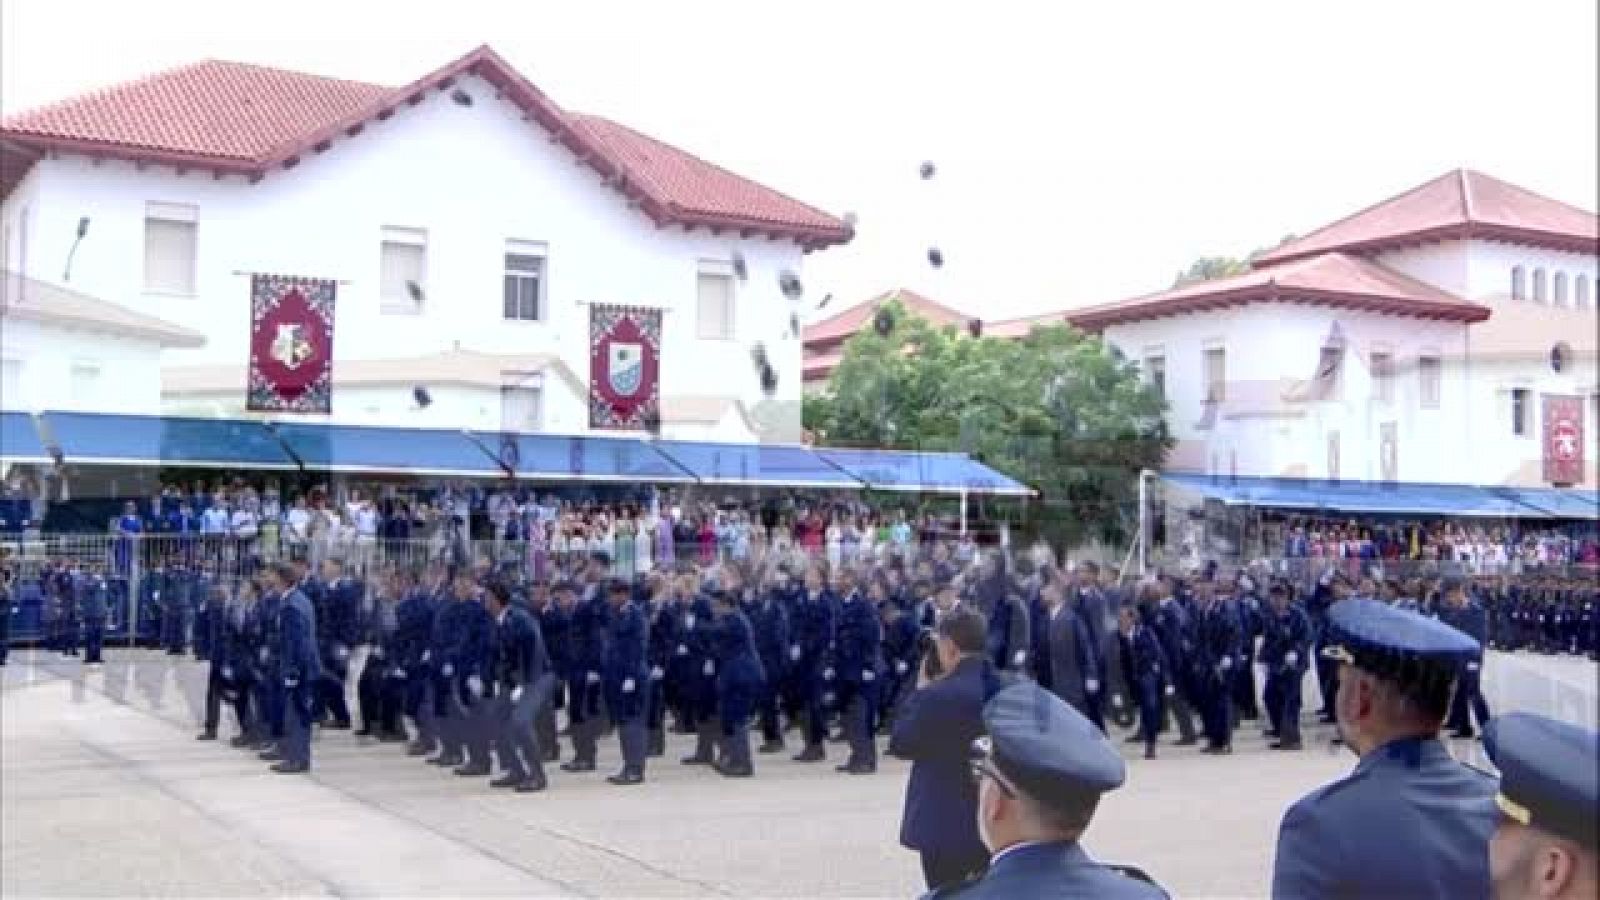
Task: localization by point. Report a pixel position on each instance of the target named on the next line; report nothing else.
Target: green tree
(1207, 268)
(1057, 409)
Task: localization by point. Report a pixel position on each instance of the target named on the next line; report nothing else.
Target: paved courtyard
(106, 793)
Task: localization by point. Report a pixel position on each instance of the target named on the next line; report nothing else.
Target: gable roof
(1457, 205)
(845, 324)
(1022, 327)
(249, 120)
(29, 299)
(1330, 279)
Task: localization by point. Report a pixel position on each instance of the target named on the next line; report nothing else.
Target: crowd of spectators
(1480, 548)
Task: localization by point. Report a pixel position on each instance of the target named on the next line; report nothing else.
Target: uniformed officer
(1548, 840)
(1217, 653)
(337, 600)
(299, 666)
(263, 630)
(769, 618)
(1041, 772)
(523, 682)
(219, 671)
(1145, 667)
(812, 634)
(414, 629)
(740, 682)
(8, 603)
(625, 669)
(1467, 616)
(585, 691)
(1286, 654)
(1410, 821)
(465, 672)
(858, 664)
(94, 607)
(555, 620)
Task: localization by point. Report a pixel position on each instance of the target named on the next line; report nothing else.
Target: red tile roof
(843, 325)
(244, 119)
(1331, 279)
(1020, 328)
(1455, 206)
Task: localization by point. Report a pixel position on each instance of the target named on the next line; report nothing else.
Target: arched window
(1580, 291)
(1538, 286)
(1559, 289)
(1519, 288)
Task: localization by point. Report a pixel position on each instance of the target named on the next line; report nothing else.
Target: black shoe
(289, 768)
(240, 741)
(470, 770)
(531, 785)
(1150, 752)
(269, 756)
(417, 748)
(1271, 735)
(576, 766)
(1286, 745)
(392, 737)
(856, 768)
(1461, 735)
(814, 753)
(626, 778)
(697, 760)
(506, 781)
(206, 736)
(363, 731)
(1186, 742)
(1218, 750)
(771, 747)
(446, 760)
(736, 771)
(551, 756)
(336, 726)
(1134, 739)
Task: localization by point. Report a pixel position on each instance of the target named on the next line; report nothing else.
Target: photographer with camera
(935, 730)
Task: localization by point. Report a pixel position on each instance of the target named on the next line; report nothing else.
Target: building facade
(825, 338)
(464, 215)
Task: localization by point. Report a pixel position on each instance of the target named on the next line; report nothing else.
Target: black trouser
(1282, 699)
(1215, 713)
(375, 696)
(1244, 688)
(943, 869)
(586, 719)
(1147, 693)
(860, 725)
(767, 709)
(1468, 702)
(216, 687)
(94, 637)
(329, 698)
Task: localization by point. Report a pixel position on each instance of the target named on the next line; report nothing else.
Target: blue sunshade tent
(548, 457)
(101, 439)
(757, 465)
(940, 473)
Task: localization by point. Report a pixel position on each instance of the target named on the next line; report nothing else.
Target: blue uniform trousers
(94, 636)
(859, 720)
(1282, 699)
(1468, 702)
(296, 743)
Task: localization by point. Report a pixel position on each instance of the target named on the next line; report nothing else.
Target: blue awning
(1562, 503)
(19, 439)
(415, 451)
(98, 439)
(575, 458)
(1400, 498)
(757, 465)
(938, 473)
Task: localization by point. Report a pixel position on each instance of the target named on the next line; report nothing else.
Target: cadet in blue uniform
(523, 682)
(219, 671)
(625, 668)
(8, 602)
(769, 618)
(1217, 653)
(1041, 773)
(93, 606)
(810, 638)
(1145, 668)
(1174, 628)
(1467, 616)
(413, 640)
(1410, 821)
(1548, 840)
(1251, 623)
(263, 630)
(465, 672)
(1285, 653)
(555, 621)
(585, 710)
(740, 682)
(299, 667)
(337, 600)
(858, 662)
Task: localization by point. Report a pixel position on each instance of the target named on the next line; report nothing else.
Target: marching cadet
(1174, 627)
(585, 692)
(663, 638)
(1285, 652)
(902, 651)
(698, 645)
(740, 682)
(1469, 618)
(299, 668)
(263, 629)
(1410, 821)
(219, 672)
(523, 682)
(858, 663)
(1247, 602)
(1041, 772)
(465, 669)
(414, 628)
(1216, 654)
(1076, 670)
(626, 671)
(51, 606)
(670, 636)
(177, 606)
(1009, 633)
(337, 600)
(554, 625)
(1546, 842)
(1147, 672)
(94, 607)
(810, 637)
(769, 618)
(376, 689)
(240, 657)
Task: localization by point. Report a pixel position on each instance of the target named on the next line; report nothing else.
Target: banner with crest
(291, 344)
(624, 366)
(1563, 439)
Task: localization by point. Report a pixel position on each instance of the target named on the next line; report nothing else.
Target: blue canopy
(19, 439)
(419, 451)
(97, 438)
(1562, 503)
(946, 473)
(1401, 498)
(756, 465)
(577, 458)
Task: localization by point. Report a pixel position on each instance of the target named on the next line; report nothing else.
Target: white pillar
(963, 512)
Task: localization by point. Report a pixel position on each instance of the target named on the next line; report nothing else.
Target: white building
(1414, 341)
(61, 349)
(510, 215)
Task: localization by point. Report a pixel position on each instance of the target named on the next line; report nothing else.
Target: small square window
(403, 274)
(715, 306)
(1521, 410)
(524, 287)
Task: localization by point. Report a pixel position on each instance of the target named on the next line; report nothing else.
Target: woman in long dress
(644, 542)
(622, 564)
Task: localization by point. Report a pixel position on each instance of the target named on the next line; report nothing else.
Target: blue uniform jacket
(739, 677)
(812, 629)
(1409, 822)
(587, 637)
(1283, 634)
(470, 635)
(934, 729)
(520, 657)
(555, 625)
(858, 645)
(770, 621)
(91, 590)
(1219, 644)
(297, 656)
(1052, 870)
(413, 629)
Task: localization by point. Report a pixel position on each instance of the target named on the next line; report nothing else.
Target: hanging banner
(1563, 439)
(291, 344)
(624, 366)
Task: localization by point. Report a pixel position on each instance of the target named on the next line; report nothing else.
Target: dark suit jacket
(935, 729)
(1052, 870)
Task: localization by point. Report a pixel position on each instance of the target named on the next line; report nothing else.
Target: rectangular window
(1216, 374)
(715, 306)
(1383, 377)
(1521, 403)
(1429, 372)
(402, 278)
(85, 384)
(521, 402)
(524, 281)
(1334, 452)
(1389, 451)
(1155, 374)
(171, 233)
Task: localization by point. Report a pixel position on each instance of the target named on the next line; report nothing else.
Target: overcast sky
(1085, 151)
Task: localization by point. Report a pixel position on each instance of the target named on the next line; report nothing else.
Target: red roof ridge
(1465, 181)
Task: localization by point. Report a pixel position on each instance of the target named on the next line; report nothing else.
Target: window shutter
(715, 306)
(169, 256)
(402, 263)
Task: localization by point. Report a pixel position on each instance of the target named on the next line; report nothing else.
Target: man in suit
(299, 667)
(1076, 670)
(625, 670)
(1467, 616)
(1041, 772)
(934, 730)
(1549, 831)
(523, 684)
(1285, 653)
(1410, 821)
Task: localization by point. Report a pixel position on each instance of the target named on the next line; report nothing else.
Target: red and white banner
(1563, 439)
(291, 344)
(624, 366)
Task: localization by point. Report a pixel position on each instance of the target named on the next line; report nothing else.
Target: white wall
(472, 177)
(1489, 266)
(43, 357)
